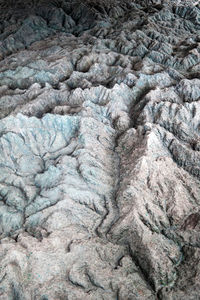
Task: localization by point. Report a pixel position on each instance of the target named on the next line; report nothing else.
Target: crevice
(144, 273)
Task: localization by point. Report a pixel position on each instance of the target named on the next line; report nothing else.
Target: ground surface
(99, 143)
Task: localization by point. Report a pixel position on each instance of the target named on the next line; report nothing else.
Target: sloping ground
(99, 144)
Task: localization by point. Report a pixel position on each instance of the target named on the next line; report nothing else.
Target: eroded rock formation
(99, 144)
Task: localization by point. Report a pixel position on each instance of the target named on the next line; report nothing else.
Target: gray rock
(99, 143)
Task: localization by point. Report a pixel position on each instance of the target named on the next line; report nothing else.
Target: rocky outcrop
(100, 141)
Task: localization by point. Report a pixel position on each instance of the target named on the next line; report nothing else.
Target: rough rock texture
(99, 144)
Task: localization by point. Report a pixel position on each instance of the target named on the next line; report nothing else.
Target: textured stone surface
(99, 144)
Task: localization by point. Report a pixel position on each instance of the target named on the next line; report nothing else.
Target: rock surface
(99, 144)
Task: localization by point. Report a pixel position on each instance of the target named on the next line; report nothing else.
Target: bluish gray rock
(99, 144)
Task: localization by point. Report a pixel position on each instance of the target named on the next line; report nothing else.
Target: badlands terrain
(99, 150)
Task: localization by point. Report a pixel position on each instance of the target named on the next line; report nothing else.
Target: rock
(99, 139)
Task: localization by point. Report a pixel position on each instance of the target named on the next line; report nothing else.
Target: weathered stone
(99, 144)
